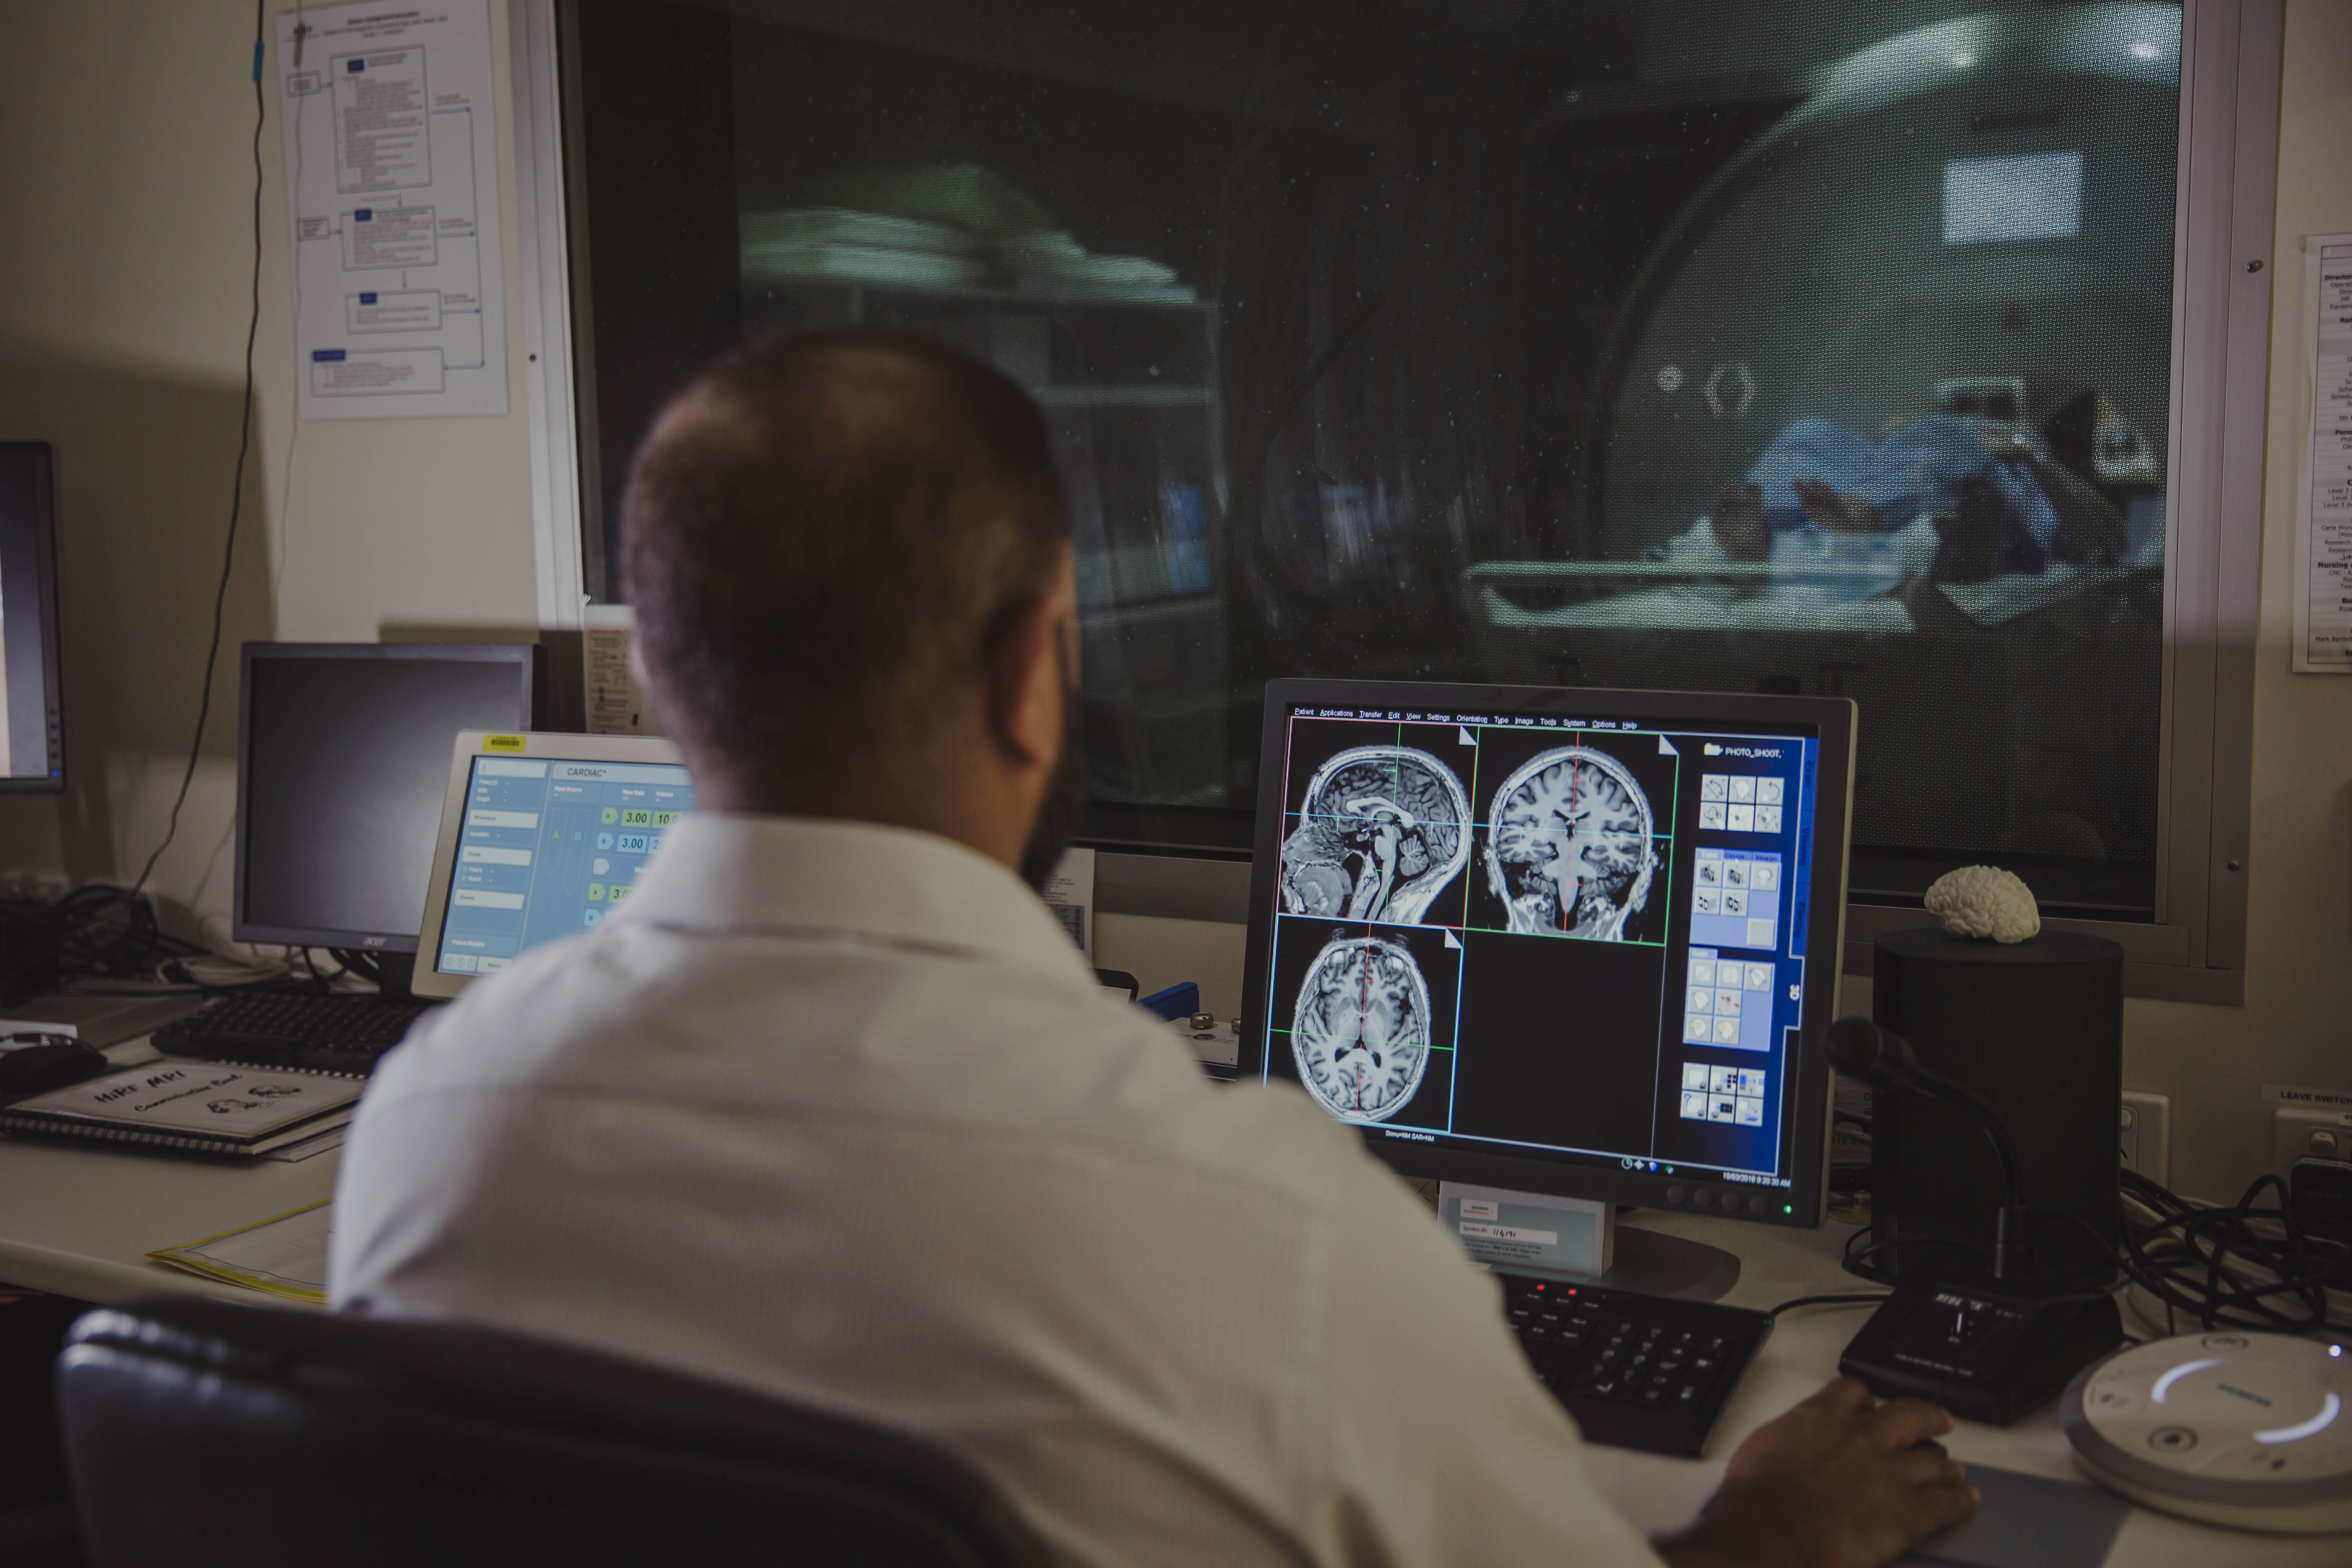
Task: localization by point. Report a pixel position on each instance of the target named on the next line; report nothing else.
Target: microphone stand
(1989, 1352)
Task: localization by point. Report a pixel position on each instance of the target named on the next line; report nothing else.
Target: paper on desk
(316, 1143)
(285, 1256)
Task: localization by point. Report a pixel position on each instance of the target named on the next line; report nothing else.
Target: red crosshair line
(1575, 780)
(1363, 1002)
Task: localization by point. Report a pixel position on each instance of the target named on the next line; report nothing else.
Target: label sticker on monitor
(503, 743)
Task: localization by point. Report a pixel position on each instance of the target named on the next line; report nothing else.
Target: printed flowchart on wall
(392, 188)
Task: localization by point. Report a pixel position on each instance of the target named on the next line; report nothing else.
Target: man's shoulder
(976, 1051)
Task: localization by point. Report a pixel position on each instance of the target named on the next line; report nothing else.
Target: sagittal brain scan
(1385, 829)
(1569, 849)
(1361, 1031)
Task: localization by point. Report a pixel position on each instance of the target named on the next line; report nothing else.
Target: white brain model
(1985, 900)
(1385, 829)
(1360, 1034)
(1571, 851)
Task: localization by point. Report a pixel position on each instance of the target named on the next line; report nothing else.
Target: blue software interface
(548, 847)
(1578, 939)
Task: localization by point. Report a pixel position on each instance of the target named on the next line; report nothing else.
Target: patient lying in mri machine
(1944, 498)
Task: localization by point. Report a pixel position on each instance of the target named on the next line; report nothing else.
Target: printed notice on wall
(392, 191)
(2323, 523)
(616, 703)
(1069, 892)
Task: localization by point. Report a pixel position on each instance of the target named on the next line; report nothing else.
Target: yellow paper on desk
(285, 1256)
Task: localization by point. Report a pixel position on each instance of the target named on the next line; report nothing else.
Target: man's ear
(1030, 671)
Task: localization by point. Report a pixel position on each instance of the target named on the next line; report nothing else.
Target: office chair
(204, 1433)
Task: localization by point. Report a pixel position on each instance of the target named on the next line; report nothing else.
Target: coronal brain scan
(1385, 829)
(1570, 851)
(1361, 1031)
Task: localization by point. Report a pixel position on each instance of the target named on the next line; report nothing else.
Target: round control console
(2237, 1429)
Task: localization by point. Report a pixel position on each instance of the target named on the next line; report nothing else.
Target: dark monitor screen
(32, 733)
(343, 757)
(1569, 941)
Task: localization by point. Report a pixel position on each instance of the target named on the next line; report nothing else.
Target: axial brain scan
(1386, 828)
(1361, 1032)
(1569, 852)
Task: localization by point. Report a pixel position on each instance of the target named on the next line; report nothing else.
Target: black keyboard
(328, 1033)
(1637, 1372)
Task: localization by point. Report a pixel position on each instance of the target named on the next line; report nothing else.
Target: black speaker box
(2037, 1028)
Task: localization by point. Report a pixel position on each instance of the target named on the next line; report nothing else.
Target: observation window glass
(1762, 347)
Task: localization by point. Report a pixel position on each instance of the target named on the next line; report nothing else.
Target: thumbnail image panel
(1558, 1042)
(1362, 1018)
(1377, 826)
(1571, 839)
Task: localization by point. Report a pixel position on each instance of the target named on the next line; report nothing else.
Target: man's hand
(1841, 1481)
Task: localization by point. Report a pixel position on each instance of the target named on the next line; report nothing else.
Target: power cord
(1849, 1299)
(2246, 1266)
(237, 489)
(1856, 1261)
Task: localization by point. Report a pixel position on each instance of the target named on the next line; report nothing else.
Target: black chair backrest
(205, 1434)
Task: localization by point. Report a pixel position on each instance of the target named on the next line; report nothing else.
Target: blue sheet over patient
(1919, 470)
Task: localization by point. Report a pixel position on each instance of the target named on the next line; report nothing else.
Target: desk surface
(79, 1222)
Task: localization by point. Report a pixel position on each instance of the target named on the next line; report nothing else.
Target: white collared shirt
(836, 1111)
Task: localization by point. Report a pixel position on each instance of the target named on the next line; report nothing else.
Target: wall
(126, 250)
(123, 271)
(2296, 1025)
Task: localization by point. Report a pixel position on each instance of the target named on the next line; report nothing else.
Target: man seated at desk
(834, 1109)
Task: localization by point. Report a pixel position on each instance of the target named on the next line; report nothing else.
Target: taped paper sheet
(2323, 518)
(392, 191)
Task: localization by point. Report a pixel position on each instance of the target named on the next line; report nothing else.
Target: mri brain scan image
(1570, 851)
(1361, 1032)
(1386, 828)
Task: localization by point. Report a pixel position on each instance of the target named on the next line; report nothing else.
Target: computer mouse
(37, 1070)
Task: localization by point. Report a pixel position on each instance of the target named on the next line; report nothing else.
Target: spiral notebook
(200, 1106)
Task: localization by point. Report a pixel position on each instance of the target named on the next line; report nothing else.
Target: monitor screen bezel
(1832, 718)
(45, 573)
(529, 675)
(428, 980)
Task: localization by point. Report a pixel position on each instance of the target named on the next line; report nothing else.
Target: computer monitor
(1575, 943)
(342, 751)
(32, 727)
(542, 835)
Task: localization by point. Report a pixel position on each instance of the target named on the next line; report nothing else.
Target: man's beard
(1057, 813)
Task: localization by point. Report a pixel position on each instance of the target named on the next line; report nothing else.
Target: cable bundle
(2250, 1266)
(2247, 1265)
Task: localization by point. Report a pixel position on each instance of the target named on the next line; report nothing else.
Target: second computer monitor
(342, 751)
(1569, 942)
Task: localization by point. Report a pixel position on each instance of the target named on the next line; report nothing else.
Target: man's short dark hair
(823, 537)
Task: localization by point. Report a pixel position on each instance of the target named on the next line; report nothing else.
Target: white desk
(79, 1222)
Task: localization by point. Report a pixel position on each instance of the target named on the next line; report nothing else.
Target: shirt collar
(737, 872)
